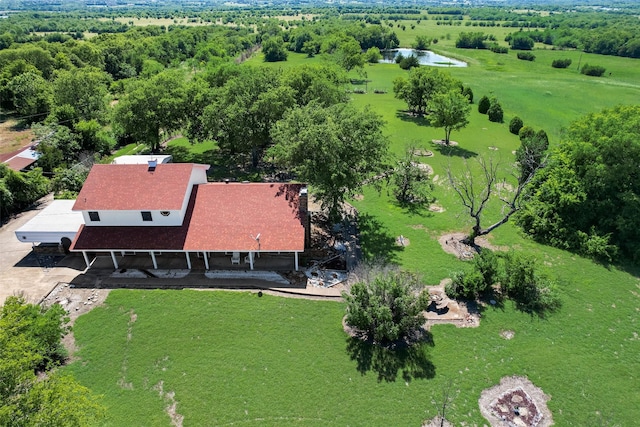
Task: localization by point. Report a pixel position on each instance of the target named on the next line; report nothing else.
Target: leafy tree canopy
(335, 149)
(420, 87)
(387, 305)
(588, 198)
(29, 344)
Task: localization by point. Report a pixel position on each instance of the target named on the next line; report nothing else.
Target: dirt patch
(508, 334)
(172, 405)
(504, 186)
(443, 309)
(452, 243)
(358, 197)
(76, 302)
(436, 208)
(515, 402)
(443, 142)
(12, 137)
(402, 241)
(437, 422)
(493, 148)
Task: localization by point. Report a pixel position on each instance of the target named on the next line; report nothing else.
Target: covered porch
(192, 260)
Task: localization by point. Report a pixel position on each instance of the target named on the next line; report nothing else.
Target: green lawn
(233, 358)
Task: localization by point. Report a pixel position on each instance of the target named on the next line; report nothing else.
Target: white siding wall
(134, 218)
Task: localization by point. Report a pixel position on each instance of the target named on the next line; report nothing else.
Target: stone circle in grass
(515, 402)
(422, 153)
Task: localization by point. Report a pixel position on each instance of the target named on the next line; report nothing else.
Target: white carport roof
(52, 224)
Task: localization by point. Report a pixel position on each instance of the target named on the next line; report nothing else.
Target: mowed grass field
(232, 358)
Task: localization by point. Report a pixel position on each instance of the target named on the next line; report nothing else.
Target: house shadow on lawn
(411, 362)
(376, 240)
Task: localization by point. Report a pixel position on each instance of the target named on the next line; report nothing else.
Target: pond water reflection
(425, 57)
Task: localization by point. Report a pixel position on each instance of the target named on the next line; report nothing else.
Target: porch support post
(188, 260)
(206, 260)
(296, 258)
(113, 258)
(251, 260)
(153, 258)
(86, 258)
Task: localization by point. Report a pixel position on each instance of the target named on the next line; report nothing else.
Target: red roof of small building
(220, 217)
(19, 163)
(21, 158)
(135, 187)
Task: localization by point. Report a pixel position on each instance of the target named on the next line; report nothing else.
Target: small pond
(425, 57)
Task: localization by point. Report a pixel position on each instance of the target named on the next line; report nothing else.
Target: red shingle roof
(134, 187)
(18, 163)
(220, 217)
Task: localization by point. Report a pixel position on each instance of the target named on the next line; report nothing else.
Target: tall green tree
(449, 111)
(244, 110)
(411, 183)
(588, 198)
(335, 149)
(422, 42)
(84, 90)
(273, 50)
(31, 96)
(421, 85)
(324, 84)
(152, 106)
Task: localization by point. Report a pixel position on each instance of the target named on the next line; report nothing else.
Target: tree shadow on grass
(454, 150)
(412, 362)
(406, 116)
(375, 239)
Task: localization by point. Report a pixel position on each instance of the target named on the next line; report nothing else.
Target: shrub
(496, 48)
(526, 132)
(526, 56)
(372, 55)
(520, 41)
(495, 112)
(486, 262)
(478, 281)
(542, 136)
(561, 63)
(409, 62)
(465, 285)
(531, 291)
(515, 125)
(592, 70)
(386, 305)
(484, 104)
(466, 91)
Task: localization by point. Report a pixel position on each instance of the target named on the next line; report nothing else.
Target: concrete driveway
(24, 272)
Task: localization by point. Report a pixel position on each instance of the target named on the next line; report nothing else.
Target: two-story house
(171, 208)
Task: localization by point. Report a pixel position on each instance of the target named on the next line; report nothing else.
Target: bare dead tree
(447, 399)
(476, 188)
